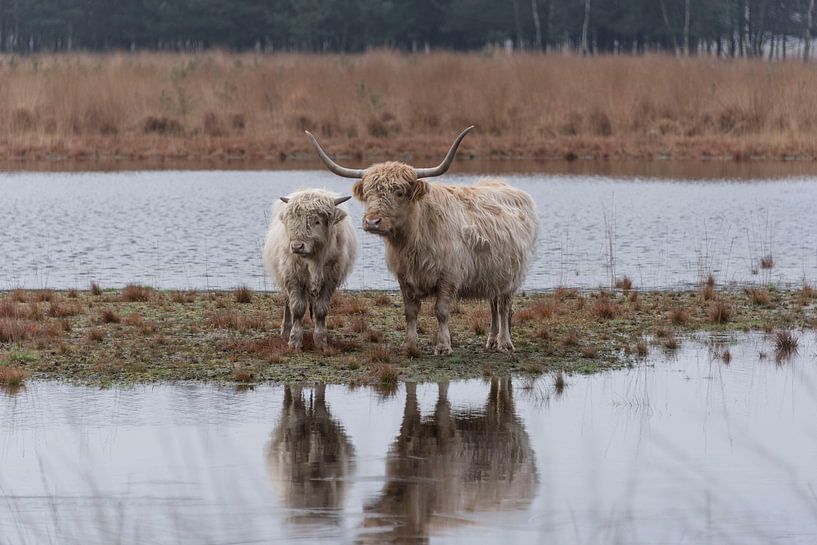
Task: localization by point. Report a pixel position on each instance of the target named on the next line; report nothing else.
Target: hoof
(295, 345)
(411, 349)
(443, 351)
(490, 344)
(506, 346)
(285, 332)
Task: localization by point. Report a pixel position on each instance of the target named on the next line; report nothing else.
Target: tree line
(734, 28)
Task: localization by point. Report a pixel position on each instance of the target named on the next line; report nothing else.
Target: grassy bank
(227, 108)
(142, 335)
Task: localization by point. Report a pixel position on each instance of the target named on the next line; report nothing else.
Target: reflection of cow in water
(451, 463)
(310, 457)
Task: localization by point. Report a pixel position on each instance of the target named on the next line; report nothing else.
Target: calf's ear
(284, 199)
(419, 190)
(339, 215)
(357, 190)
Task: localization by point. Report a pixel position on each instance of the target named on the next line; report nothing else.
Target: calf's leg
(286, 323)
(320, 308)
(298, 306)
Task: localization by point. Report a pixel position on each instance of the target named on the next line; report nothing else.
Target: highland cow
(447, 241)
(310, 248)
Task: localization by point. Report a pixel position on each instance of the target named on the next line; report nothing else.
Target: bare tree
(586, 28)
(537, 25)
(517, 24)
(807, 31)
(686, 26)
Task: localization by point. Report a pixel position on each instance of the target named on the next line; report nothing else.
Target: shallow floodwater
(204, 229)
(685, 449)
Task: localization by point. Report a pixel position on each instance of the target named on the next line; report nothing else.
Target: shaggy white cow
(447, 241)
(310, 248)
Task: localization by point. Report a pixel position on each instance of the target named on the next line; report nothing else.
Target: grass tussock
(642, 349)
(604, 307)
(134, 293)
(207, 105)
(382, 299)
(385, 374)
(349, 305)
(229, 319)
(786, 343)
(679, 316)
(12, 376)
(95, 289)
(767, 262)
(21, 330)
(380, 354)
(758, 296)
(624, 283)
(243, 295)
(720, 312)
(536, 311)
(108, 316)
(63, 310)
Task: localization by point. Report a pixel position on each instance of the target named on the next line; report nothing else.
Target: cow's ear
(419, 190)
(339, 215)
(357, 190)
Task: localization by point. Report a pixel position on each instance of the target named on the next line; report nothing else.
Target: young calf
(310, 248)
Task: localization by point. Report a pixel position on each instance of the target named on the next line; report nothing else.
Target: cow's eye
(399, 192)
(317, 222)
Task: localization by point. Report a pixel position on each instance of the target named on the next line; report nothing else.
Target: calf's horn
(443, 167)
(331, 165)
(341, 200)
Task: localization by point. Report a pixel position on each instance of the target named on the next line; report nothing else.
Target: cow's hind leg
(444, 297)
(505, 312)
(490, 344)
(286, 323)
(298, 306)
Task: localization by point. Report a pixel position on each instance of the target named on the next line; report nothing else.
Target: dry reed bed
(139, 334)
(146, 106)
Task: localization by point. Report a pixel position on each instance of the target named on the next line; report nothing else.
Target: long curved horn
(341, 200)
(331, 165)
(443, 167)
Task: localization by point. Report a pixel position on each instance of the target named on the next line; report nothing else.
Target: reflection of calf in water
(450, 463)
(310, 457)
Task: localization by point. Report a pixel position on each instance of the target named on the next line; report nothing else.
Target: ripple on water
(204, 229)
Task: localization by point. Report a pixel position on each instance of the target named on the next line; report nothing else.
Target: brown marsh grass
(243, 295)
(758, 296)
(12, 376)
(785, 343)
(720, 312)
(134, 293)
(384, 104)
(679, 316)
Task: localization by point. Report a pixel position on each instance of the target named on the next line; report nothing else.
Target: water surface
(204, 229)
(685, 449)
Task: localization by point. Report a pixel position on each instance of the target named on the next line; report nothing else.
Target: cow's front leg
(505, 312)
(444, 296)
(490, 344)
(411, 306)
(298, 304)
(286, 323)
(320, 308)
